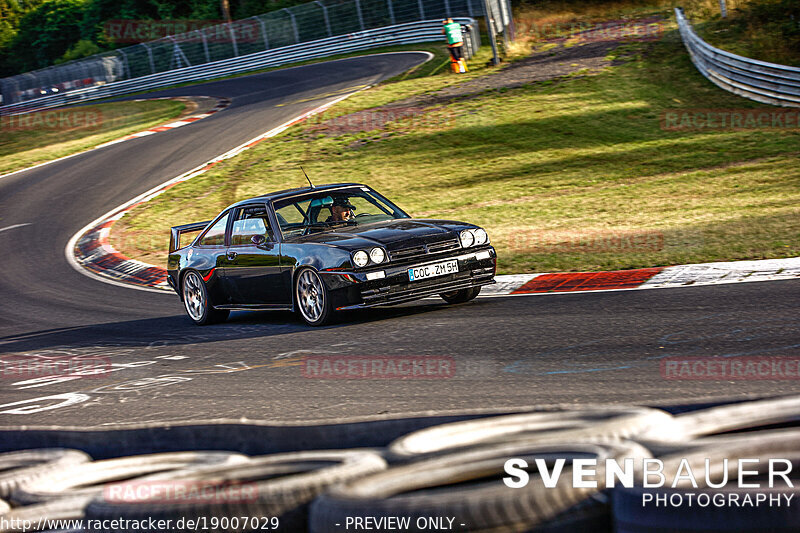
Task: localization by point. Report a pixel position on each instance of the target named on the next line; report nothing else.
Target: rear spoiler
(175, 233)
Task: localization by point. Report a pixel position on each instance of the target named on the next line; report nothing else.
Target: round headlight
(467, 238)
(480, 236)
(360, 258)
(377, 255)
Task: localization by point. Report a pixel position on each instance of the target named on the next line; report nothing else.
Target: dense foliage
(773, 29)
(38, 33)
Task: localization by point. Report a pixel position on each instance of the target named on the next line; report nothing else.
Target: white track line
(15, 226)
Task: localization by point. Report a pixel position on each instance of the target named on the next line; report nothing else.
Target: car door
(208, 256)
(253, 271)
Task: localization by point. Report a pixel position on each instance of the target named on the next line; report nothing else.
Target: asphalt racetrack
(581, 348)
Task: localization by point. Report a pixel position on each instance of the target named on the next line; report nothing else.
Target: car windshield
(310, 212)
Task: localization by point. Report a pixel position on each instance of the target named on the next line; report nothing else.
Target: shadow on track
(178, 329)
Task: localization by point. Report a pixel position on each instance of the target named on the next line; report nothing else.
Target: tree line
(38, 33)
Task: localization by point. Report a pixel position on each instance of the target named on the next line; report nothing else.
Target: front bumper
(354, 290)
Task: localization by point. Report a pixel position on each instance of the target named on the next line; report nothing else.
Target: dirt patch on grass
(539, 66)
(557, 62)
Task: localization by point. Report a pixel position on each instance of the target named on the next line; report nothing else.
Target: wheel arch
(182, 274)
(297, 270)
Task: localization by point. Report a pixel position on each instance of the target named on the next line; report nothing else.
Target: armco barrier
(410, 33)
(769, 83)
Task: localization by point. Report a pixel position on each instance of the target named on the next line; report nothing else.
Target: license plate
(431, 271)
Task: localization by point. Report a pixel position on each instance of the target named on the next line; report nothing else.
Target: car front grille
(408, 253)
(416, 252)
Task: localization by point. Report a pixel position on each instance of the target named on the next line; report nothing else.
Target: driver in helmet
(341, 210)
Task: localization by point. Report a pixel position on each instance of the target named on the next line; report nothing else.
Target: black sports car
(321, 249)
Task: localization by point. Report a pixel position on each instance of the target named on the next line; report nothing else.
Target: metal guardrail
(410, 33)
(423, 31)
(764, 82)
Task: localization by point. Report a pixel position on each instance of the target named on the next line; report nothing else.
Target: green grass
(27, 141)
(767, 30)
(776, 40)
(581, 161)
(760, 29)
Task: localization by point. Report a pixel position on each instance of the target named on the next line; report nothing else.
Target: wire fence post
(502, 6)
(263, 32)
(150, 57)
(178, 53)
(487, 12)
(205, 45)
(391, 12)
(421, 10)
(126, 69)
(294, 24)
(325, 15)
(467, 41)
(360, 16)
(233, 40)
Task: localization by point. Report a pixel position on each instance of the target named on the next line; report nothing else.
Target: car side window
(250, 221)
(215, 236)
(291, 217)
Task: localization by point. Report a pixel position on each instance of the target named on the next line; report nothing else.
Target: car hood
(391, 234)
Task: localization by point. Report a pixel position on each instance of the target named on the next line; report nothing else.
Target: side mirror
(258, 240)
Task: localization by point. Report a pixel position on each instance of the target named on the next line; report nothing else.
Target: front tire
(196, 302)
(459, 297)
(312, 299)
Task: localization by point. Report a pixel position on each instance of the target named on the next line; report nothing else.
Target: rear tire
(459, 297)
(196, 301)
(312, 299)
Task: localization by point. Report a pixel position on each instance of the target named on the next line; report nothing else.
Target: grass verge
(573, 174)
(759, 29)
(27, 140)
